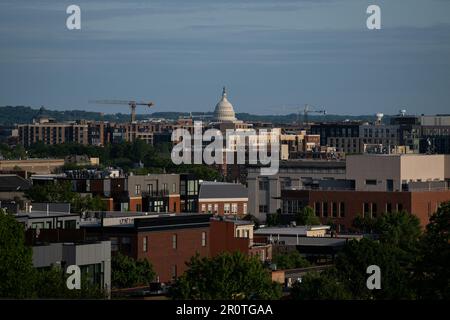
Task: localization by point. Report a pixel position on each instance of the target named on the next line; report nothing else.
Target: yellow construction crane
(131, 103)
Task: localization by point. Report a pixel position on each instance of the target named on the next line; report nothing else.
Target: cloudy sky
(272, 55)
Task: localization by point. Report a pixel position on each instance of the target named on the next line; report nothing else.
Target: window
(165, 190)
(234, 208)
(374, 210)
(70, 224)
(216, 208)
(37, 225)
(342, 209)
(226, 208)
(245, 208)
(325, 209)
(174, 188)
(144, 244)
(137, 189)
(174, 271)
(203, 239)
(264, 185)
(263, 208)
(126, 244)
(388, 207)
(203, 208)
(138, 207)
(389, 185)
(150, 188)
(371, 182)
(174, 241)
(114, 244)
(317, 209)
(399, 207)
(366, 209)
(334, 210)
(209, 208)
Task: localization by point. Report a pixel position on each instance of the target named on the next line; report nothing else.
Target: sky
(273, 56)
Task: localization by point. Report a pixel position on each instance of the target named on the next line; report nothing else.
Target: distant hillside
(15, 115)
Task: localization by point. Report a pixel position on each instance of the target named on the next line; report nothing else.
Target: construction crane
(307, 109)
(132, 104)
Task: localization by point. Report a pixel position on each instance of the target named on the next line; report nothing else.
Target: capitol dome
(224, 111)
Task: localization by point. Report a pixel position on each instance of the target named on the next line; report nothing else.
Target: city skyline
(268, 55)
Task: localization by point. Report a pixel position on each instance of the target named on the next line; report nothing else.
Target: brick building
(236, 235)
(342, 206)
(223, 199)
(167, 241)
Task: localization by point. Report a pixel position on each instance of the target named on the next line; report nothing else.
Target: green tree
(306, 217)
(51, 192)
(273, 219)
(290, 260)
(399, 229)
(127, 272)
(402, 232)
(364, 224)
(62, 192)
(320, 286)
(16, 265)
(50, 283)
(252, 218)
(352, 263)
(433, 268)
(226, 276)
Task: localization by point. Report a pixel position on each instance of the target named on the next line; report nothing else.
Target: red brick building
(342, 206)
(236, 235)
(169, 241)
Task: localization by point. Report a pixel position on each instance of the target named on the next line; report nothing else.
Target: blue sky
(272, 55)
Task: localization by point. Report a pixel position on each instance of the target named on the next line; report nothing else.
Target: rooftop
(222, 190)
(13, 182)
(289, 231)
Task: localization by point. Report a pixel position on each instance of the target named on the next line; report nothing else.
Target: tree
(399, 229)
(364, 224)
(290, 260)
(273, 219)
(306, 217)
(352, 263)
(127, 272)
(226, 276)
(433, 273)
(252, 218)
(51, 192)
(320, 286)
(16, 265)
(62, 192)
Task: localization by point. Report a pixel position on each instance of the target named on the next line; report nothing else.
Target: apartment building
(221, 198)
(51, 132)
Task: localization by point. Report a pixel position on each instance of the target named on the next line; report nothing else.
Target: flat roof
(289, 231)
(44, 214)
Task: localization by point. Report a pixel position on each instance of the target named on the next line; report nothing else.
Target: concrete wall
(399, 168)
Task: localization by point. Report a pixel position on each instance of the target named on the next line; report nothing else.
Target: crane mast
(131, 103)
